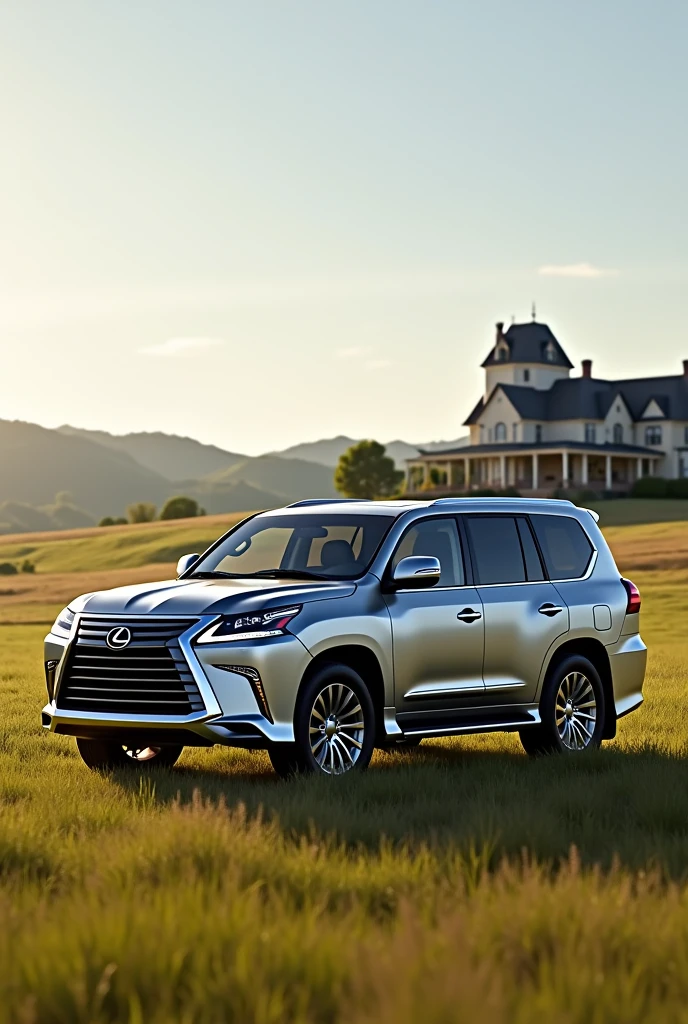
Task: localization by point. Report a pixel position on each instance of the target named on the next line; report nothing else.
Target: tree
(364, 471)
(141, 512)
(180, 507)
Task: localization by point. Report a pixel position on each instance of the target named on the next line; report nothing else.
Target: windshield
(312, 546)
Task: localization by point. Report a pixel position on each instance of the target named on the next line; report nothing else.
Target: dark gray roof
(527, 344)
(585, 398)
(543, 446)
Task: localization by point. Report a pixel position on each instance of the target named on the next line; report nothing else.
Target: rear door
(524, 614)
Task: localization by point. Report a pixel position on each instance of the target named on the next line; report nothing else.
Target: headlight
(63, 623)
(253, 626)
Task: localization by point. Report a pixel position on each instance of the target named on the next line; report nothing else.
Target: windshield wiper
(213, 574)
(285, 574)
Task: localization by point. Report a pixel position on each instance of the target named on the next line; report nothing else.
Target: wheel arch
(362, 660)
(595, 652)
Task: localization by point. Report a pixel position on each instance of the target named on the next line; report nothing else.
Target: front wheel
(334, 726)
(105, 754)
(571, 710)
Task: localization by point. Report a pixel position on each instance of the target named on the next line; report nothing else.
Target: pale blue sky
(260, 223)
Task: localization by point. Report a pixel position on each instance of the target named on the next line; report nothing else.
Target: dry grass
(458, 881)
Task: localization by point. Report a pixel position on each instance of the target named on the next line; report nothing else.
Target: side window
(565, 546)
(530, 554)
(496, 548)
(438, 538)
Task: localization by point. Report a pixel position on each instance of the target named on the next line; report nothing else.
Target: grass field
(455, 882)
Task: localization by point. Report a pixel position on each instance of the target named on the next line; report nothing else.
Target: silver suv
(325, 629)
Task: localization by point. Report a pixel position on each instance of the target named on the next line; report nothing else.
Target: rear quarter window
(565, 546)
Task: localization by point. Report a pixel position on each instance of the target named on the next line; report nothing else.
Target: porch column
(638, 468)
(502, 470)
(449, 473)
(584, 468)
(608, 472)
(466, 474)
(536, 482)
(426, 474)
(565, 468)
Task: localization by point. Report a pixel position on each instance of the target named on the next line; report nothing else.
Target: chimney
(685, 367)
(587, 367)
(500, 331)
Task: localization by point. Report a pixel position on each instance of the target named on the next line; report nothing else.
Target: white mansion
(537, 428)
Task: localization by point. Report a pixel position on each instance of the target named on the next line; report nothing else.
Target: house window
(550, 353)
(514, 432)
(526, 376)
(618, 433)
(538, 433)
(653, 435)
(590, 433)
(500, 432)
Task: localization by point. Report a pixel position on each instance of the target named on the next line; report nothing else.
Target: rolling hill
(171, 456)
(328, 451)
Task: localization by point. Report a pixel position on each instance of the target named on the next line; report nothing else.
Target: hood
(208, 597)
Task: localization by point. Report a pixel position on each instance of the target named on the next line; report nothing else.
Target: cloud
(378, 364)
(353, 352)
(181, 346)
(576, 270)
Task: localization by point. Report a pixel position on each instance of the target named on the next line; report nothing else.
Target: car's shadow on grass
(611, 804)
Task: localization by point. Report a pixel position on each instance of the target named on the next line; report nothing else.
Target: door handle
(469, 615)
(550, 609)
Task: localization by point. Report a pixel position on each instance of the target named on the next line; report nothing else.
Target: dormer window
(550, 352)
(502, 353)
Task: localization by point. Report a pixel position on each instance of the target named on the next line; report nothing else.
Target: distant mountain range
(94, 473)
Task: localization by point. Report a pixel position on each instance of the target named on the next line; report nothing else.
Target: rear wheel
(571, 709)
(334, 726)
(111, 754)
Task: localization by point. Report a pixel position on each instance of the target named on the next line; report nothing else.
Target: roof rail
(323, 501)
(506, 501)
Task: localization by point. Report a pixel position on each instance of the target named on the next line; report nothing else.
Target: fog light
(50, 667)
(256, 684)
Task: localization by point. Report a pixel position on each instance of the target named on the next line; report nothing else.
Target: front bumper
(234, 715)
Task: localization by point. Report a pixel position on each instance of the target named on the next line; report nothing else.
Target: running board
(466, 726)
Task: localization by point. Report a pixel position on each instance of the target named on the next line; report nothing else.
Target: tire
(326, 741)
(572, 710)
(105, 754)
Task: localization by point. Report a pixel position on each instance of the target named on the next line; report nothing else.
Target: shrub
(180, 507)
(7, 569)
(141, 512)
(28, 566)
(677, 488)
(107, 521)
(650, 487)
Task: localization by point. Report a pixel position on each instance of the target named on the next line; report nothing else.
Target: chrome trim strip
(450, 691)
(476, 727)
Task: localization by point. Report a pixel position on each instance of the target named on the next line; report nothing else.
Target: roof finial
(533, 310)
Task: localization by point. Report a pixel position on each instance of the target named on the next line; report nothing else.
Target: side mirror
(416, 573)
(185, 562)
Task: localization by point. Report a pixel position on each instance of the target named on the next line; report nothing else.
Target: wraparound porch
(530, 469)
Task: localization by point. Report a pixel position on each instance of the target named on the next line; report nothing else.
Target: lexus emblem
(118, 638)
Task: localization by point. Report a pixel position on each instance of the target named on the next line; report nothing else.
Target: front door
(438, 633)
(524, 614)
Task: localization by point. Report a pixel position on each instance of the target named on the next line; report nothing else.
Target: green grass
(456, 882)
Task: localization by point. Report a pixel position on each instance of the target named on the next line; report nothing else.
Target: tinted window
(496, 549)
(340, 545)
(438, 538)
(565, 546)
(530, 554)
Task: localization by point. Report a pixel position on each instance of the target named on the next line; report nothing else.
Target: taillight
(633, 593)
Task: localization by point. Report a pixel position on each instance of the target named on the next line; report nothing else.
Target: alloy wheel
(141, 753)
(576, 711)
(336, 729)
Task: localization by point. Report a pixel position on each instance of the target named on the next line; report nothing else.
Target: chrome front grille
(150, 676)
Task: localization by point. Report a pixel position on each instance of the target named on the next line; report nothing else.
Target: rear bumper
(628, 661)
